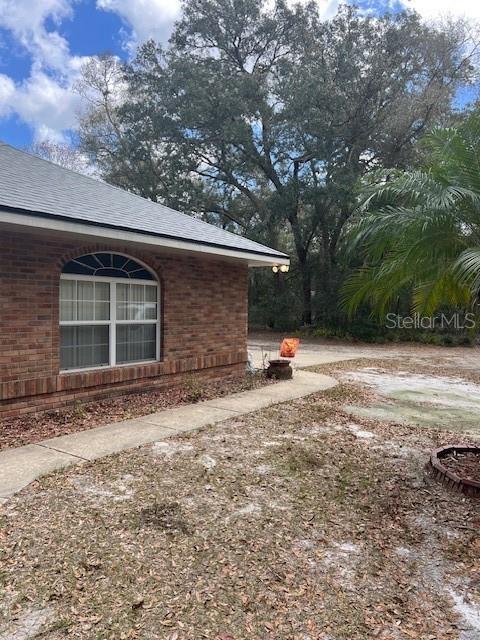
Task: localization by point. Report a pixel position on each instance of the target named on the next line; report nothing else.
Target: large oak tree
(263, 119)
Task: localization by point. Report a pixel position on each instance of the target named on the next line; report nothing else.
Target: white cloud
(45, 99)
(328, 8)
(147, 18)
(7, 91)
(25, 19)
(46, 105)
(43, 102)
(434, 9)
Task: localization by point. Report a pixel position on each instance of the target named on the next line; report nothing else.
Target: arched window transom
(109, 312)
(109, 265)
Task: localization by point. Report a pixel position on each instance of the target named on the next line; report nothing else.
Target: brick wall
(204, 322)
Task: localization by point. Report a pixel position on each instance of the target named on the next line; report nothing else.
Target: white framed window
(107, 320)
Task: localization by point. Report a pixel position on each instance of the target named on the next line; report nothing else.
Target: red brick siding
(204, 322)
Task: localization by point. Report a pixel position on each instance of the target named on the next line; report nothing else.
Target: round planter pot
(448, 476)
(279, 369)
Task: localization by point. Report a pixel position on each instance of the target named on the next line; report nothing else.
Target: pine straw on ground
(296, 522)
(465, 465)
(33, 427)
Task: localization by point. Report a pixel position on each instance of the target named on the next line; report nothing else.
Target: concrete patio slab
(22, 465)
(18, 467)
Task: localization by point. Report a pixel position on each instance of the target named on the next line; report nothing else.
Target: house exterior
(103, 292)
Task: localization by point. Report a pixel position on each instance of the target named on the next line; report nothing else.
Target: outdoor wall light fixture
(284, 268)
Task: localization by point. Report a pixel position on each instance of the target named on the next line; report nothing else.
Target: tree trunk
(303, 263)
(306, 291)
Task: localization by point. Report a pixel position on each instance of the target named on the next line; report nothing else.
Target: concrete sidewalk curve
(22, 465)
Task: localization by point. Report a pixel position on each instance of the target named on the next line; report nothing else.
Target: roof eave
(30, 220)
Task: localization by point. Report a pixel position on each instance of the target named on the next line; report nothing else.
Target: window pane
(67, 310)
(85, 310)
(136, 342)
(68, 297)
(122, 298)
(136, 308)
(102, 311)
(67, 290)
(150, 293)
(83, 300)
(102, 301)
(102, 291)
(150, 311)
(84, 346)
(67, 358)
(136, 302)
(84, 290)
(138, 293)
(122, 292)
(150, 305)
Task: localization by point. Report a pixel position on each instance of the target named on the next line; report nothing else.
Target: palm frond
(420, 229)
(467, 269)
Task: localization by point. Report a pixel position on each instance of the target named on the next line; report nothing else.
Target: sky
(43, 44)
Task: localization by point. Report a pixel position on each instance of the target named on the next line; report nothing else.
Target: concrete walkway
(22, 465)
(311, 353)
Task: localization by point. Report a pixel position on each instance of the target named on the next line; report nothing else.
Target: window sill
(108, 367)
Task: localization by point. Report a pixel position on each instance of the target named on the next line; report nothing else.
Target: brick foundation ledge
(97, 385)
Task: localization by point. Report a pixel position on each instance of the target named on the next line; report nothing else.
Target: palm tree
(419, 231)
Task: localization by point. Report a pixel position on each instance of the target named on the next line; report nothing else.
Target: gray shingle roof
(39, 187)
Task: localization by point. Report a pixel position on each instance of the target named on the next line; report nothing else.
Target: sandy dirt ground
(309, 520)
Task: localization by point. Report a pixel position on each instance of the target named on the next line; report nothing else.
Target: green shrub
(375, 334)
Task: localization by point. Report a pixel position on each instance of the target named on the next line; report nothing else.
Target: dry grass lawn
(297, 522)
